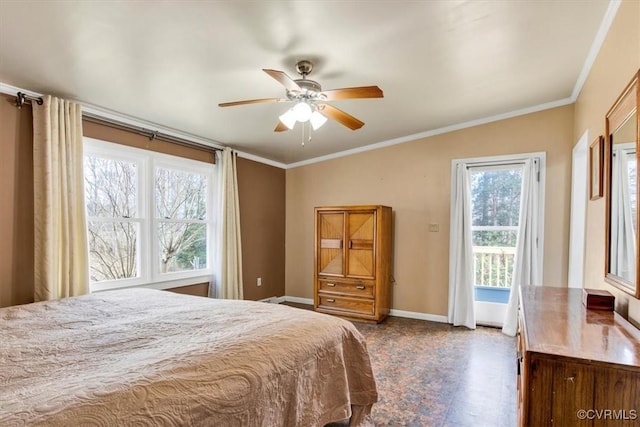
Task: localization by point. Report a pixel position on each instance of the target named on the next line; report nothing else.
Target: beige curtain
(61, 254)
(228, 272)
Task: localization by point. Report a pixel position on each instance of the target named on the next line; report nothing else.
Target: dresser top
(557, 323)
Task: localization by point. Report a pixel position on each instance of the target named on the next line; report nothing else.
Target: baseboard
(395, 313)
(420, 316)
(298, 300)
(490, 324)
(273, 300)
(490, 314)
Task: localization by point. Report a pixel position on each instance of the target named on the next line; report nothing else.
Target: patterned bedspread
(154, 358)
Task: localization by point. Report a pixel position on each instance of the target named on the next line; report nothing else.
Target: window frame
(148, 248)
(479, 284)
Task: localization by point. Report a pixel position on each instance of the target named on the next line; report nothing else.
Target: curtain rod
(494, 163)
(151, 134)
(615, 152)
(22, 98)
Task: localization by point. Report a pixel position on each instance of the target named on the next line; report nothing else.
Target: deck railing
(493, 265)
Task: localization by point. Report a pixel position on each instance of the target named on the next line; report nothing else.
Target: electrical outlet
(259, 281)
(434, 228)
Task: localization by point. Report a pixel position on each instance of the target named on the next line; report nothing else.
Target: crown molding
(259, 159)
(434, 132)
(605, 25)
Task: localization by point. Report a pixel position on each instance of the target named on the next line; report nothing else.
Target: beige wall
(414, 179)
(617, 61)
(261, 203)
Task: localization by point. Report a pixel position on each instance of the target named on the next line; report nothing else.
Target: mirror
(621, 161)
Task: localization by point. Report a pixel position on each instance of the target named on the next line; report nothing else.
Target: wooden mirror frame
(596, 168)
(625, 106)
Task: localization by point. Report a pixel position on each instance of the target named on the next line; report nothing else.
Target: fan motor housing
(309, 85)
(310, 90)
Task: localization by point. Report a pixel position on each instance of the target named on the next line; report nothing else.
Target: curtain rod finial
(20, 100)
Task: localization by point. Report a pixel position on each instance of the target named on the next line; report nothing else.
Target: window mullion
(144, 225)
(152, 229)
(114, 219)
(494, 228)
(182, 221)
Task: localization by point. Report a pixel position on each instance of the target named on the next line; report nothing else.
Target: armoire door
(331, 243)
(361, 235)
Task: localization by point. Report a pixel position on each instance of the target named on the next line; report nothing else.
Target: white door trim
(577, 227)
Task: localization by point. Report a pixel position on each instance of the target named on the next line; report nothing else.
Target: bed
(154, 358)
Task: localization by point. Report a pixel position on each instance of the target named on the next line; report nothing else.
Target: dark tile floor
(432, 374)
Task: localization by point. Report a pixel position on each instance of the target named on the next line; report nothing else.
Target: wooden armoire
(352, 271)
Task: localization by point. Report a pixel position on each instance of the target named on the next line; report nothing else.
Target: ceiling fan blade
(283, 79)
(353, 92)
(340, 116)
(250, 101)
(280, 127)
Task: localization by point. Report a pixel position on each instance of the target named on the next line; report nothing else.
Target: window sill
(169, 284)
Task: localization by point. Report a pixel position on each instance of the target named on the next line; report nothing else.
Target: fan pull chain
(304, 125)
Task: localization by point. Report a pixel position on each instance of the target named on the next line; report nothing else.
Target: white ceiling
(439, 63)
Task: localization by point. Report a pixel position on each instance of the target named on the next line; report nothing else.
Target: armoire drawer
(361, 288)
(345, 304)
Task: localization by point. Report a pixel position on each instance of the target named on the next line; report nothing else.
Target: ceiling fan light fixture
(288, 118)
(302, 111)
(308, 98)
(317, 120)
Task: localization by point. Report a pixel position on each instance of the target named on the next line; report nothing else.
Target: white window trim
(148, 161)
(494, 228)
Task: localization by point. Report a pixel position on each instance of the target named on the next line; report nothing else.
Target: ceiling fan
(310, 100)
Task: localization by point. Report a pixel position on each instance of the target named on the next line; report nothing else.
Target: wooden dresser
(353, 261)
(576, 367)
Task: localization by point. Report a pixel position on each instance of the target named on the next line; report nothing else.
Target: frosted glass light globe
(317, 120)
(302, 111)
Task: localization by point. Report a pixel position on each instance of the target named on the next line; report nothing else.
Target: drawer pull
(331, 284)
(360, 287)
(330, 300)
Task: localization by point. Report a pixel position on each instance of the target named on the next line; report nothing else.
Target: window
(149, 217)
(495, 210)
